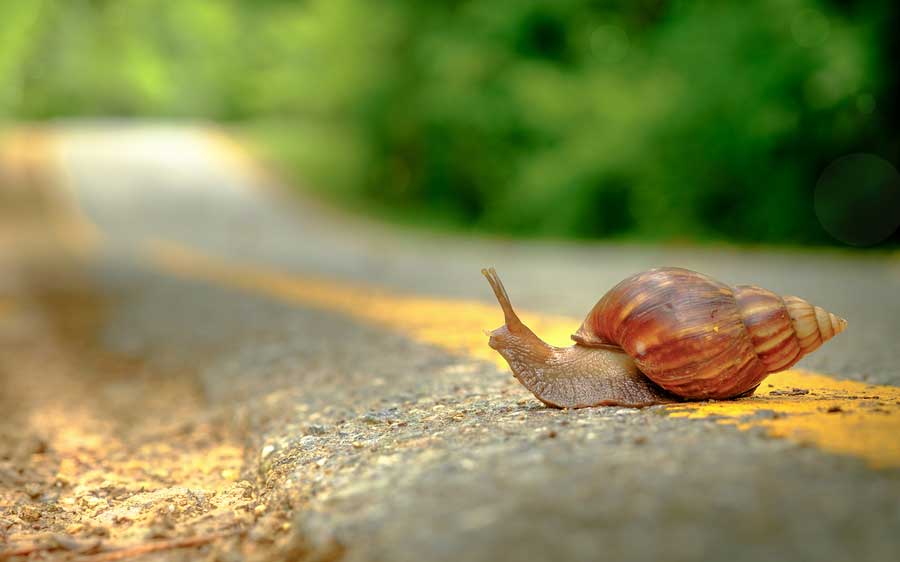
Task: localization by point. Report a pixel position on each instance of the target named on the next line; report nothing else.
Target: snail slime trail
(664, 335)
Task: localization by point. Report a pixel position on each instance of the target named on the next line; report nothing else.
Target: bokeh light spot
(857, 199)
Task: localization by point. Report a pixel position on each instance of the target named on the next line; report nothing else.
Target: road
(193, 358)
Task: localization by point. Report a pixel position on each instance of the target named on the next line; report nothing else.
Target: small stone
(371, 419)
(247, 489)
(33, 490)
(91, 501)
(157, 531)
(834, 409)
(29, 513)
(317, 429)
(97, 530)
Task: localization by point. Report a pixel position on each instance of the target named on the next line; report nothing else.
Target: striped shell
(699, 338)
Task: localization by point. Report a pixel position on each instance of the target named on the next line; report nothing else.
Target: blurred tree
(586, 118)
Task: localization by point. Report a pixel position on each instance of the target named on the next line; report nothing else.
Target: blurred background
(762, 121)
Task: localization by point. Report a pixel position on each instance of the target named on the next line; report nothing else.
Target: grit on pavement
(197, 362)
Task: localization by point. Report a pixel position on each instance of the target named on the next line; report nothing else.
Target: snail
(664, 335)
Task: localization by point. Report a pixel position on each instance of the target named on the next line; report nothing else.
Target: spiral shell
(699, 338)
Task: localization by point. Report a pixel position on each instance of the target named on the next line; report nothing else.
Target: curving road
(187, 351)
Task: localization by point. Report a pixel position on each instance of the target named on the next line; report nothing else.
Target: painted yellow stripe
(46, 215)
(7, 306)
(456, 326)
(838, 416)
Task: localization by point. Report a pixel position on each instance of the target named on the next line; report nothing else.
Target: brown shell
(699, 338)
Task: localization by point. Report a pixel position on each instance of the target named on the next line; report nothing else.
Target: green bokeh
(649, 119)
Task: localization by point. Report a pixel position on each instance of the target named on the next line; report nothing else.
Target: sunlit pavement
(324, 385)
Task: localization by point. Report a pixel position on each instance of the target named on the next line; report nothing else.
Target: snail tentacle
(509, 315)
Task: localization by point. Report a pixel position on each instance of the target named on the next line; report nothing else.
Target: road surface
(193, 360)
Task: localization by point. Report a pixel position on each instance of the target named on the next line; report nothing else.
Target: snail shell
(699, 338)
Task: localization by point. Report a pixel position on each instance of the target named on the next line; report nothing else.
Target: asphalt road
(339, 354)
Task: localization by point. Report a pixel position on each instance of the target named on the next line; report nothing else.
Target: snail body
(665, 335)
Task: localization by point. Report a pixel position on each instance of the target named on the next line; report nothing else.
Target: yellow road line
(37, 187)
(838, 416)
(7, 306)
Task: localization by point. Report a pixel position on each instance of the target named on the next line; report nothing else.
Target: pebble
(371, 419)
(317, 429)
(33, 490)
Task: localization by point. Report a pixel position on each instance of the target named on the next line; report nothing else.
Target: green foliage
(584, 118)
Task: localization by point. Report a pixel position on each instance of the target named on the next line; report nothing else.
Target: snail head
(501, 338)
(513, 339)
